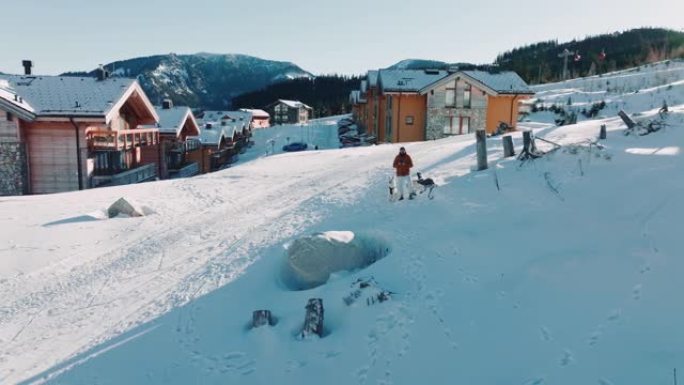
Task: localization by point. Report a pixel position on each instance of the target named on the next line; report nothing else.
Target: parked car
(357, 140)
(295, 146)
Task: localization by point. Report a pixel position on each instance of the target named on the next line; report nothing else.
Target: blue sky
(321, 36)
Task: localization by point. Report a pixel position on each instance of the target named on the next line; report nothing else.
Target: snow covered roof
(70, 96)
(505, 82)
(495, 83)
(12, 102)
(219, 130)
(242, 119)
(372, 78)
(294, 104)
(408, 80)
(257, 113)
(172, 120)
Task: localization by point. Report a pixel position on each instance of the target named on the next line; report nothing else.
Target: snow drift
(310, 260)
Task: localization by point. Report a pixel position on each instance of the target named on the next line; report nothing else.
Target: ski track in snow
(146, 281)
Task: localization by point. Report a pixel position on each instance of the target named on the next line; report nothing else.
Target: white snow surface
(568, 273)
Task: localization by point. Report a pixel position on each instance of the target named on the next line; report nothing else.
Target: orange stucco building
(415, 105)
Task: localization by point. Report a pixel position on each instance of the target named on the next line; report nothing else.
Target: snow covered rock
(124, 207)
(310, 260)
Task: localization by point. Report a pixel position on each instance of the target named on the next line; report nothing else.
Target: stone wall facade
(443, 120)
(13, 170)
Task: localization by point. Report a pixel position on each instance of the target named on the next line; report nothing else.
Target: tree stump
(313, 322)
(602, 133)
(509, 150)
(261, 318)
(481, 137)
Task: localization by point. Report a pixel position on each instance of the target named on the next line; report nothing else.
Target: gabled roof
(372, 78)
(408, 80)
(257, 113)
(64, 96)
(10, 101)
(172, 120)
(293, 104)
(495, 83)
(241, 119)
(506, 82)
(218, 131)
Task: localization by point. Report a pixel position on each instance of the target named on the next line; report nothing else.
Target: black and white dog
(426, 184)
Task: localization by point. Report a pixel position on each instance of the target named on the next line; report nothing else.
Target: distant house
(220, 137)
(242, 120)
(260, 118)
(72, 133)
(414, 105)
(178, 132)
(289, 112)
(466, 101)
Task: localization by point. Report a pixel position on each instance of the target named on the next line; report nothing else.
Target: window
(10, 117)
(451, 126)
(450, 98)
(465, 125)
(409, 120)
(466, 96)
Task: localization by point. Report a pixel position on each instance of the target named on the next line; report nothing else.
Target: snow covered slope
(633, 90)
(568, 272)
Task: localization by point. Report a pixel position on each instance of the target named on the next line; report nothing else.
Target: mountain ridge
(202, 80)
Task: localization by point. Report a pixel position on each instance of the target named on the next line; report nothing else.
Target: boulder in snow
(310, 260)
(126, 208)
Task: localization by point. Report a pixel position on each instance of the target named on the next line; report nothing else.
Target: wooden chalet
(72, 133)
(219, 137)
(178, 133)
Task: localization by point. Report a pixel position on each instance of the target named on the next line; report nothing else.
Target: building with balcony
(74, 133)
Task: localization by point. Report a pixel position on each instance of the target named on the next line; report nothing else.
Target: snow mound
(312, 259)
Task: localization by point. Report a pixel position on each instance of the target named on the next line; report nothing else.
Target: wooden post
(313, 322)
(625, 118)
(481, 137)
(261, 318)
(527, 141)
(508, 146)
(602, 134)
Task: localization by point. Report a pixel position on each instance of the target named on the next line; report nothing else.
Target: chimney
(167, 104)
(27, 66)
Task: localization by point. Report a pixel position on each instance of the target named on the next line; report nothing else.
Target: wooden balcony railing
(137, 175)
(115, 140)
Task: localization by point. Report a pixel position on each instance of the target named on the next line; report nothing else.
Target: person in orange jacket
(403, 164)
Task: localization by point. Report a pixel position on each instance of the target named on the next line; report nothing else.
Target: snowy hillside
(204, 80)
(560, 270)
(634, 90)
